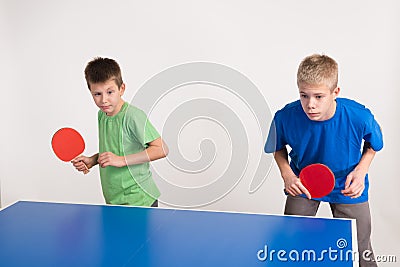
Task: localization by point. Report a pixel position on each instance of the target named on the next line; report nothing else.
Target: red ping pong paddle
(67, 144)
(318, 179)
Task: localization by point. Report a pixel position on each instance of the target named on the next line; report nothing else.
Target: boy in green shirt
(127, 140)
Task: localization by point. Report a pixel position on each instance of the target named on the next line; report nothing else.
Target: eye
(304, 96)
(319, 97)
(96, 94)
(110, 92)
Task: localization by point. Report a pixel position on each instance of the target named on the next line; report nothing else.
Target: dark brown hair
(100, 70)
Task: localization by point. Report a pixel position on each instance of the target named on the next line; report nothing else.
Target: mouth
(313, 115)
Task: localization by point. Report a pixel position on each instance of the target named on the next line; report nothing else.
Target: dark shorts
(155, 204)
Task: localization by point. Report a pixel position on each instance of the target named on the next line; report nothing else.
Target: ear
(336, 92)
(122, 89)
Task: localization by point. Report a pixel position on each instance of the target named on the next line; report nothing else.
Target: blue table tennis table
(56, 234)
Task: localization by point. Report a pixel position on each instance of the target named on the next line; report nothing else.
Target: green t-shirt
(127, 132)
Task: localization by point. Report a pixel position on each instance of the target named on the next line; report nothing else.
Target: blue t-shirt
(336, 142)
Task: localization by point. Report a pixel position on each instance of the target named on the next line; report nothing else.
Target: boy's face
(107, 96)
(318, 101)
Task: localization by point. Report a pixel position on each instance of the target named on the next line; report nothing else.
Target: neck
(333, 109)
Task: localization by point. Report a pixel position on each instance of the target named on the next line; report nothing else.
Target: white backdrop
(45, 45)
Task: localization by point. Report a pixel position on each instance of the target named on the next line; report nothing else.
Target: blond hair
(318, 69)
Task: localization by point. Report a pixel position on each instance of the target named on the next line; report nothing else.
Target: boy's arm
(355, 181)
(292, 183)
(156, 149)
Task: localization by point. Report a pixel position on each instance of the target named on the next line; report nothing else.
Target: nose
(103, 98)
(311, 103)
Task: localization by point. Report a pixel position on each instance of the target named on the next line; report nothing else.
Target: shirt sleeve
(373, 134)
(141, 127)
(275, 140)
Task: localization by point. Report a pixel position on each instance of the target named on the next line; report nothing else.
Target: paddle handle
(87, 169)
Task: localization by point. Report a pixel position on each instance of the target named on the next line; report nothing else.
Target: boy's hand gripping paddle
(318, 179)
(67, 144)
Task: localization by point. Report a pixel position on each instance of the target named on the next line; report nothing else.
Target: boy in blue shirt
(337, 132)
